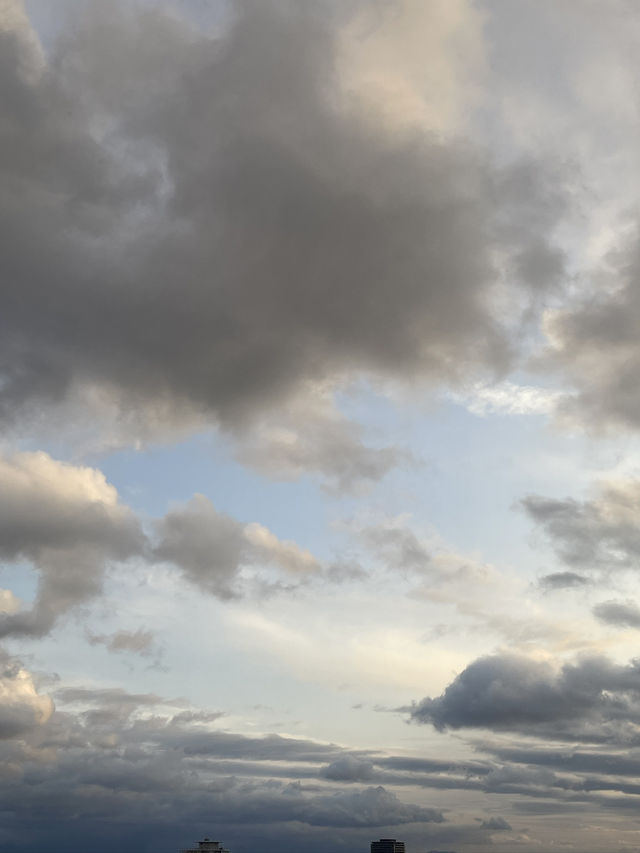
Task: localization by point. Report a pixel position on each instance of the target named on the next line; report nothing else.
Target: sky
(319, 425)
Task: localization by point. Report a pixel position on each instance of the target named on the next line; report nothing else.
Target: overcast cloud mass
(320, 425)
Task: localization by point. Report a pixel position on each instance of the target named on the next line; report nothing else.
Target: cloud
(310, 436)
(600, 533)
(594, 343)
(14, 23)
(128, 760)
(212, 549)
(368, 807)
(398, 546)
(140, 642)
(287, 555)
(208, 546)
(108, 696)
(496, 824)
(385, 46)
(440, 575)
(623, 614)
(433, 765)
(22, 708)
(67, 521)
(8, 602)
(592, 697)
(137, 760)
(563, 580)
(571, 69)
(348, 769)
(507, 398)
(221, 222)
(574, 761)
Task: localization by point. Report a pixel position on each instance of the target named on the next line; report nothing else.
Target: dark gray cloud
(563, 580)
(212, 549)
(624, 614)
(108, 696)
(574, 760)
(208, 546)
(434, 765)
(595, 342)
(349, 769)
(592, 698)
(372, 806)
(220, 222)
(496, 824)
(123, 762)
(126, 760)
(600, 533)
(529, 781)
(552, 807)
(568, 774)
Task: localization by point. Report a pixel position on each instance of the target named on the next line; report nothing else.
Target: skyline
(320, 455)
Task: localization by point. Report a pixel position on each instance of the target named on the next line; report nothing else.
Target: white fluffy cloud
(67, 521)
(22, 708)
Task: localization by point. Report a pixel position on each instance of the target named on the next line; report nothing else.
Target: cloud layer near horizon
(127, 760)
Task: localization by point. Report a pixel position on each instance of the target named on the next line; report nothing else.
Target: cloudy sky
(320, 425)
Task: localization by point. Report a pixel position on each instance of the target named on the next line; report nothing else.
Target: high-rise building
(387, 845)
(206, 846)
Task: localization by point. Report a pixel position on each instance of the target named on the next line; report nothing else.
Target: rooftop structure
(387, 845)
(206, 846)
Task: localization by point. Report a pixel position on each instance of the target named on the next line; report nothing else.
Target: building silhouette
(387, 845)
(206, 846)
